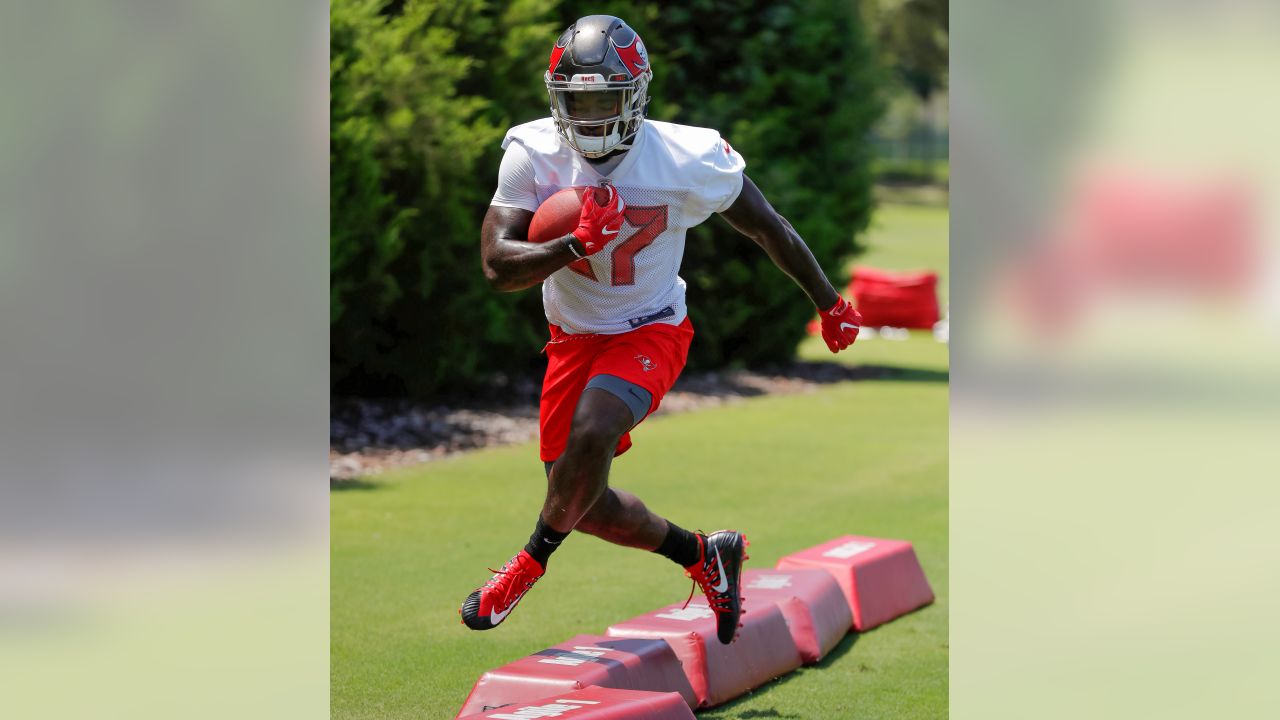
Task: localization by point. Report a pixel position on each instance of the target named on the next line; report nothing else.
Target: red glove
(840, 325)
(598, 224)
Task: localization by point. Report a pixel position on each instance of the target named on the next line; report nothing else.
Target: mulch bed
(367, 436)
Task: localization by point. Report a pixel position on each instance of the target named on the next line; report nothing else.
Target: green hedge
(421, 94)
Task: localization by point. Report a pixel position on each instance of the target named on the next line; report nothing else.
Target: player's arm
(510, 263)
(753, 216)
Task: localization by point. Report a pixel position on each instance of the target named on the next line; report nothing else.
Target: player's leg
(579, 478)
(581, 474)
(649, 360)
(638, 368)
(568, 365)
(618, 516)
(623, 519)
(577, 483)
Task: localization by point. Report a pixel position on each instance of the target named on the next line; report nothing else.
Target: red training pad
(881, 579)
(762, 651)
(595, 703)
(579, 662)
(895, 299)
(815, 609)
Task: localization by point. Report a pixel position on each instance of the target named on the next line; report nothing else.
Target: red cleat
(489, 605)
(719, 573)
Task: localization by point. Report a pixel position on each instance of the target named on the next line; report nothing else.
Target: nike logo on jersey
(848, 325)
(723, 585)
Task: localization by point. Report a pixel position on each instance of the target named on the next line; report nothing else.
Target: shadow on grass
(342, 484)
(928, 194)
(728, 711)
(908, 374)
(763, 381)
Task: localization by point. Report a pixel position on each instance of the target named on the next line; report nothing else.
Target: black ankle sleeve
(680, 546)
(543, 542)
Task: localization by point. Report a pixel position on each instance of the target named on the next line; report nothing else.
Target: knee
(589, 525)
(600, 517)
(593, 435)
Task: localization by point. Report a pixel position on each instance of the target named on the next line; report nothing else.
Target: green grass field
(868, 457)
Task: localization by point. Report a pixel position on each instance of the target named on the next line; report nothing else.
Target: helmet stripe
(556, 52)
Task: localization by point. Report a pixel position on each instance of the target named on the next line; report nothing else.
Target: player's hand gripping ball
(840, 324)
(599, 223)
(592, 215)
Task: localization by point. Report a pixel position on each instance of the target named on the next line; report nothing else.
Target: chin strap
(584, 141)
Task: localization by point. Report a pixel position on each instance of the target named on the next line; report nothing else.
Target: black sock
(680, 546)
(543, 542)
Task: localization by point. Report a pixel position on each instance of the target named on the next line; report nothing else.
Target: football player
(614, 301)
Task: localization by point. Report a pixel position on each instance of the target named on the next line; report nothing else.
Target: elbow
(499, 281)
(491, 274)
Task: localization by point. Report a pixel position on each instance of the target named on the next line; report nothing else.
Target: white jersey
(672, 178)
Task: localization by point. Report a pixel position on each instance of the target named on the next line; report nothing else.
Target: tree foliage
(913, 42)
(420, 96)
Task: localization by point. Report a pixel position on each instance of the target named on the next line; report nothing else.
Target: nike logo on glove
(609, 232)
(848, 325)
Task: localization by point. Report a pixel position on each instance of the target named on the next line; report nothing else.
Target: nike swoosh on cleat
(496, 617)
(847, 325)
(723, 585)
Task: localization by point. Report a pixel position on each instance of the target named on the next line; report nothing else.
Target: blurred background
(1116, 341)
(163, 380)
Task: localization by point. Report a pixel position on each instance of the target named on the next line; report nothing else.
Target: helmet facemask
(598, 116)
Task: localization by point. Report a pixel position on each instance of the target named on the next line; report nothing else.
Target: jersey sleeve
(516, 187)
(724, 180)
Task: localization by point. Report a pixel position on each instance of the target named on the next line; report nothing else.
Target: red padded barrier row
(811, 602)
(793, 614)
(762, 651)
(580, 662)
(595, 703)
(881, 579)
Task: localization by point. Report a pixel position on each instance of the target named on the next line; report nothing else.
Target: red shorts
(650, 356)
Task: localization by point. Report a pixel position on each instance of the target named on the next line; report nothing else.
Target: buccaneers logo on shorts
(646, 363)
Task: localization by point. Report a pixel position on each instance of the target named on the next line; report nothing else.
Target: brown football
(558, 215)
